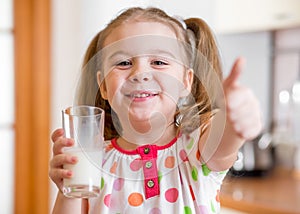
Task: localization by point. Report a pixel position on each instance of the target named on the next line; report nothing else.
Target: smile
(136, 95)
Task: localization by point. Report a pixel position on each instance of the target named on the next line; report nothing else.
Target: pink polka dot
(183, 155)
(107, 200)
(110, 201)
(136, 164)
(118, 184)
(155, 211)
(203, 209)
(171, 195)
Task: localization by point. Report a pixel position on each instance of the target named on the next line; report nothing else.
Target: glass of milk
(85, 125)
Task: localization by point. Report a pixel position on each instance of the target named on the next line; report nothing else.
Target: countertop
(277, 192)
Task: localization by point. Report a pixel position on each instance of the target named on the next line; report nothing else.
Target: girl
(168, 140)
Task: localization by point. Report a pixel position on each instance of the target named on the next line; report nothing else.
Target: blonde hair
(205, 63)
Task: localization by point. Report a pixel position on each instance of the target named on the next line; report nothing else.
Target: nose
(141, 77)
(140, 74)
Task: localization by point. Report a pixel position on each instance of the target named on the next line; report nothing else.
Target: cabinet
(236, 16)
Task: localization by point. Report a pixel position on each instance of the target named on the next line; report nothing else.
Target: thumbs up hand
(243, 110)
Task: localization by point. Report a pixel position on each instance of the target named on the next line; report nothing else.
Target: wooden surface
(278, 192)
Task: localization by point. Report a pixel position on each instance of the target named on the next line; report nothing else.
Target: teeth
(141, 95)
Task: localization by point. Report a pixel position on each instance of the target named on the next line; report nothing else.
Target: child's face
(143, 72)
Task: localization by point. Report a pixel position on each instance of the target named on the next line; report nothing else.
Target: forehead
(133, 39)
(137, 28)
(144, 45)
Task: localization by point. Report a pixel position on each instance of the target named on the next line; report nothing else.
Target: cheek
(112, 91)
(172, 85)
(114, 94)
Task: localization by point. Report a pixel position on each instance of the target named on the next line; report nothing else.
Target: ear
(102, 86)
(187, 81)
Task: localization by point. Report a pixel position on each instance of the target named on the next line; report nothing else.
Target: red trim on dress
(135, 151)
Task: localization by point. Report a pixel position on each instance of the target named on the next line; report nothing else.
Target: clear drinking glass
(85, 125)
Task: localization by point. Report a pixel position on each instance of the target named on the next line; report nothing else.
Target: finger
(244, 115)
(248, 129)
(57, 176)
(246, 109)
(246, 120)
(57, 134)
(235, 73)
(59, 160)
(60, 144)
(239, 97)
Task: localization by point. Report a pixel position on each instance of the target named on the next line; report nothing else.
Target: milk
(86, 174)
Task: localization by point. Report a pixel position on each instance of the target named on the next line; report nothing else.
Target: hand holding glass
(85, 125)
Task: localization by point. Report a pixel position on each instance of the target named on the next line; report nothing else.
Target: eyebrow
(118, 53)
(150, 52)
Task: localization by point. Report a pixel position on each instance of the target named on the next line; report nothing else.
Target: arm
(242, 122)
(66, 205)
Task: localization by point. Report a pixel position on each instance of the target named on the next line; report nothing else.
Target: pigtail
(88, 93)
(87, 86)
(207, 82)
(205, 42)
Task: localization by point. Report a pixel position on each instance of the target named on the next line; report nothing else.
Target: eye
(124, 64)
(159, 62)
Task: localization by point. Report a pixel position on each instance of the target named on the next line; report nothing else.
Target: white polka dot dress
(157, 179)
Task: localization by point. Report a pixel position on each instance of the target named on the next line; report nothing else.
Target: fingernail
(74, 159)
(69, 173)
(69, 143)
